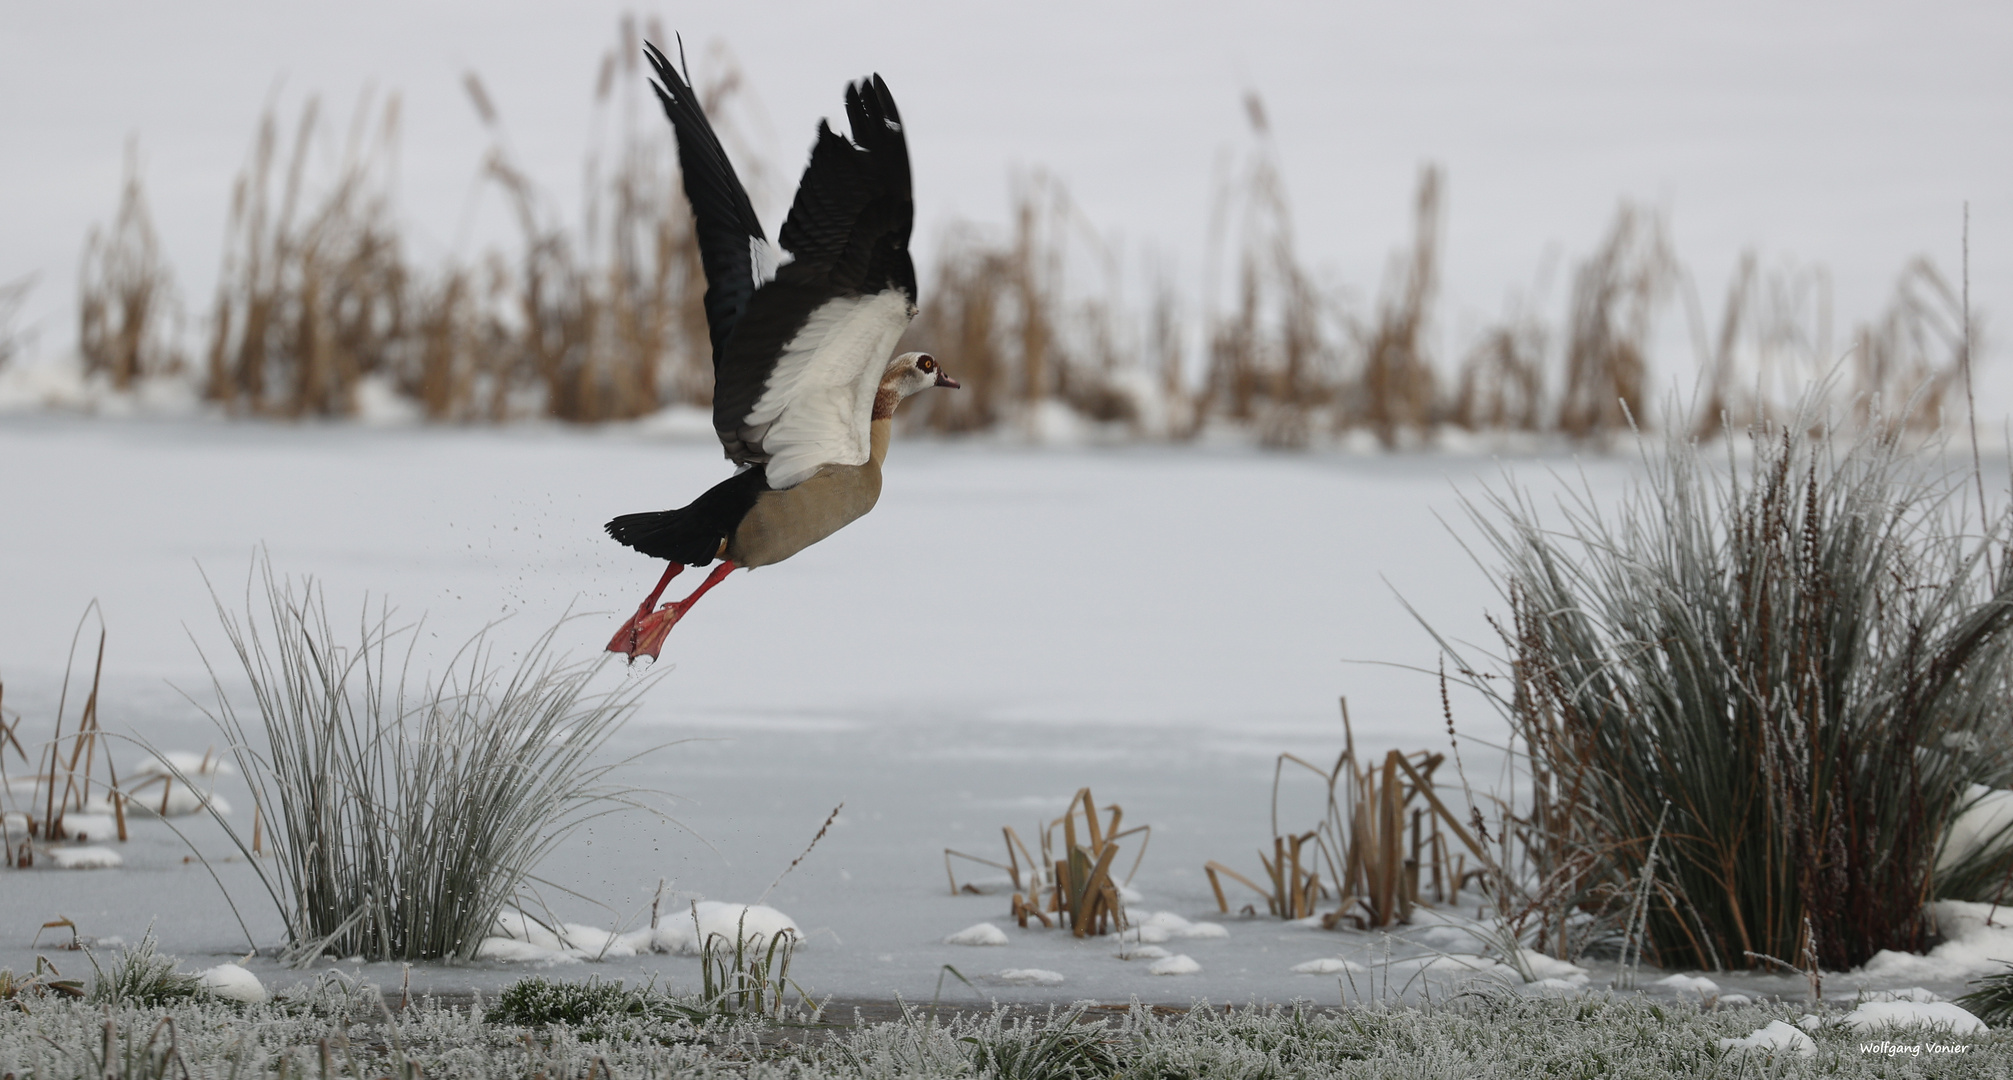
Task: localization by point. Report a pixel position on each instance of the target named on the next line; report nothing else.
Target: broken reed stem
(829, 818)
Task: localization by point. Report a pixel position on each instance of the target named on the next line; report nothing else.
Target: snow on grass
(1777, 1037)
(983, 933)
(1879, 1015)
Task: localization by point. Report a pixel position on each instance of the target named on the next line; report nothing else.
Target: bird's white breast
(819, 398)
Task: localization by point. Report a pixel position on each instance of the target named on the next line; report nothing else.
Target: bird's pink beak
(946, 380)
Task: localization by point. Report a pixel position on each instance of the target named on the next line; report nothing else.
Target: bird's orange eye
(927, 364)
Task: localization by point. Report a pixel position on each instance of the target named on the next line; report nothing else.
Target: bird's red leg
(651, 629)
(628, 638)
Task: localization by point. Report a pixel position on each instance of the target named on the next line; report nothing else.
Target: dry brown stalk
(1399, 391)
(1615, 296)
(1075, 882)
(1361, 840)
(127, 321)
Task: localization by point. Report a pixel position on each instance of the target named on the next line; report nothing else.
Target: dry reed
(1373, 873)
(126, 308)
(599, 316)
(1073, 880)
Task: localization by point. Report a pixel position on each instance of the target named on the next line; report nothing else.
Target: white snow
(1912, 993)
(85, 858)
(1142, 952)
(719, 925)
(233, 983)
(517, 926)
(511, 950)
(983, 933)
(1983, 822)
(1163, 926)
(1179, 964)
(1689, 984)
(1973, 946)
(1777, 1036)
(1543, 968)
(596, 943)
(86, 827)
(1877, 1015)
(1327, 965)
(154, 787)
(1029, 977)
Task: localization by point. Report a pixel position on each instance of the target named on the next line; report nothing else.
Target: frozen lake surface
(1008, 626)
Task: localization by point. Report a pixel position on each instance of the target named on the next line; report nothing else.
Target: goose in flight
(804, 387)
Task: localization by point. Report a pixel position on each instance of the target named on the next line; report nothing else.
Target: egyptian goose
(804, 390)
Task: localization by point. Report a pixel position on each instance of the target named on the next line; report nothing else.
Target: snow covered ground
(1008, 626)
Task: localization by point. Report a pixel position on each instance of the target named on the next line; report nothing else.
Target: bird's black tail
(695, 534)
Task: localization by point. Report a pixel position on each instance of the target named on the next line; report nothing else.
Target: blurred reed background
(322, 311)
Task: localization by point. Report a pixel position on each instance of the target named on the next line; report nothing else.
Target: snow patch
(719, 924)
(1690, 984)
(983, 933)
(1985, 823)
(1142, 952)
(1972, 948)
(596, 943)
(1327, 965)
(233, 983)
(1180, 964)
(1162, 926)
(85, 858)
(1875, 1015)
(1777, 1036)
(84, 827)
(1029, 977)
(510, 950)
(1544, 968)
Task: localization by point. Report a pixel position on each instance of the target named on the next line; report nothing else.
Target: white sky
(1845, 135)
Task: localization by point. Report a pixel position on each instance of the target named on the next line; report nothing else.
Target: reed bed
(320, 310)
(1372, 872)
(62, 769)
(1750, 701)
(400, 819)
(1073, 879)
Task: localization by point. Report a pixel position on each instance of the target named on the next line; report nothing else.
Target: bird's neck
(879, 432)
(882, 426)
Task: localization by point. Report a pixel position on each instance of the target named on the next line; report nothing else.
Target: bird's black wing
(730, 236)
(846, 241)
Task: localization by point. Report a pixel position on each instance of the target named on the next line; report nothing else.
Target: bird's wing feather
(798, 376)
(736, 256)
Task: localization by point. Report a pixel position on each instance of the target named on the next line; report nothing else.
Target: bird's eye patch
(927, 363)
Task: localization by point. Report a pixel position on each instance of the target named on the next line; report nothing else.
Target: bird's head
(915, 371)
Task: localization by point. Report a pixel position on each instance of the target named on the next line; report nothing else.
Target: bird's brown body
(782, 523)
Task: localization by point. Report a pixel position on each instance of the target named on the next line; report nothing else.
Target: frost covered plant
(1805, 655)
(1059, 1049)
(1991, 1000)
(139, 975)
(400, 822)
